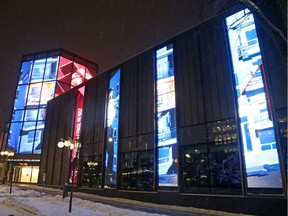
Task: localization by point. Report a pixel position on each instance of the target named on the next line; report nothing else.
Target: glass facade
(39, 81)
(138, 170)
(91, 171)
(213, 166)
(25, 173)
(166, 118)
(112, 130)
(254, 105)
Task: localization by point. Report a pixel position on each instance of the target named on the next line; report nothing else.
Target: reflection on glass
(166, 118)
(80, 74)
(20, 97)
(17, 115)
(51, 68)
(38, 70)
(212, 168)
(27, 137)
(14, 135)
(47, 92)
(112, 130)
(257, 129)
(25, 72)
(137, 171)
(39, 81)
(91, 172)
(31, 114)
(34, 94)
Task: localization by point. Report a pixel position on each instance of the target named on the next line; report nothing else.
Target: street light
(71, 144)
(6, 154)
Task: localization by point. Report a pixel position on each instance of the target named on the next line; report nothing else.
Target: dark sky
(106, 32)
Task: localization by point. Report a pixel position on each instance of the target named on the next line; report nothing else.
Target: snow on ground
(30, 202)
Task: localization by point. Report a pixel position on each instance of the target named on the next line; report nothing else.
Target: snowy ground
(31, 202)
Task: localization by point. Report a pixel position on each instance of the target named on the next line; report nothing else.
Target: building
(42, 76)
(199, 120)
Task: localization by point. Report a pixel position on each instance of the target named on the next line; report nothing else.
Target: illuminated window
(166, 118)
(40, 80)
(112, 129)
(257, 128)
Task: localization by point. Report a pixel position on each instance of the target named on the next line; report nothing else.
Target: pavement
(168, 210)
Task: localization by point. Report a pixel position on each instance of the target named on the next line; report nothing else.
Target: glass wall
(112, 129)
(91, 172)
(213, 166)
(26, 173)
(166, 118)
(39, 81)
(138, 170)
(254, 109)
(35, 87)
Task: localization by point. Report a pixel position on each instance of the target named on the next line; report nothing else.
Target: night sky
(106, 32)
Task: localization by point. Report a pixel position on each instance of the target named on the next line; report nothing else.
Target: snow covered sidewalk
(33, 201)
(30, 202)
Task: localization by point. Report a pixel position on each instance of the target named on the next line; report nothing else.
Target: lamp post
(6, 154)
(71, 144)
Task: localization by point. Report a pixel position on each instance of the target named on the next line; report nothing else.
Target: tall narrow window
(166, 118)
(257, 130)
(112, 129)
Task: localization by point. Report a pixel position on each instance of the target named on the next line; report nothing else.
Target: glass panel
(38, 137)
(138, 171)
(17, 115)
(91, 172)
(25, 72)
(14, 135)
(51, 68)
(31, 114)
(90, 72)
(42, 114)
(213, 168)
(26, 174)
(80, 74)
(257, 129)
(34, 94)
(47, 92)
(27, 137)
(195, 168)
(35, 172)
(112, 129)
(166, 118)
(61, 88)
(38, 70)
(65, 70)
(20, 97)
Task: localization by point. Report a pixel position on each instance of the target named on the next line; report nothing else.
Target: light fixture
(7, 153)
(60, 144)
(72, 145)
(67, 143)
